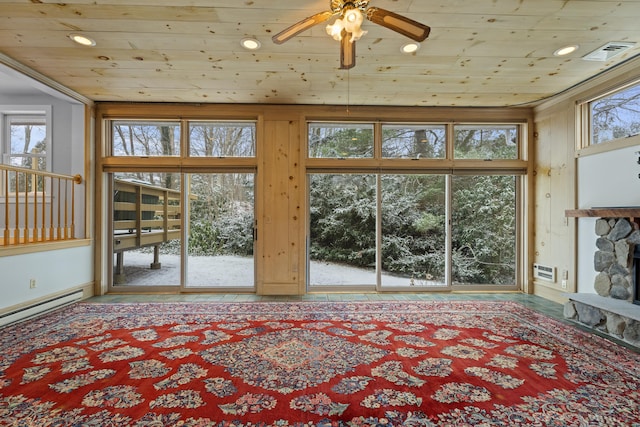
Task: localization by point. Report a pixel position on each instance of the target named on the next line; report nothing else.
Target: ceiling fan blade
(347, 51)
(398, 23)
(301, 26)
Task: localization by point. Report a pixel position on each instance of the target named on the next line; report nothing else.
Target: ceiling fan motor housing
(337, 6)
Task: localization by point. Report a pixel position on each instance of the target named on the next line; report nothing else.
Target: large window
(413, 141)
(486, 142)
(145, 139)
(339, 141)
(342, 241)
(413, 222)
(484, 229)
(615, 116)
(446, 218)
(185, 219)
(26, 139)
(218, 139)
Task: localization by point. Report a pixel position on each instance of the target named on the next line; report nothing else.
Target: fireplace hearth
(614, 308)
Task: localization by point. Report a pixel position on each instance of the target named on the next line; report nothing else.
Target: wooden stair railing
(37, 206)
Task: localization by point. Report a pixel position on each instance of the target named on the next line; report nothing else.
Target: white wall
(606, 179)
(55, 271)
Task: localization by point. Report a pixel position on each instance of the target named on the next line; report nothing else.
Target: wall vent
(608, 51)
(544, 272)
(40, 308)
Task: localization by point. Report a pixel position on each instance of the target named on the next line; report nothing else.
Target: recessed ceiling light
(250, 44)
(410, 47)
(83, 40)
(566, 50)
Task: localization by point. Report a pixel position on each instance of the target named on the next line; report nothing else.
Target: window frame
(7, 112)
(584, 123)
(449, 166)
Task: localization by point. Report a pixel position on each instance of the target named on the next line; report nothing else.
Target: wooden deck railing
(143, 215)
(36, 206)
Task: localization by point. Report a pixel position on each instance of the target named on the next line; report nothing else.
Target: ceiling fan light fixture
(250, 43)
(352, 21)
(335, 29)
(410, 47)
(566, 50)
(82, 39)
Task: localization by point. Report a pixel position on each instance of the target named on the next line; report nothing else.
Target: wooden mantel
(605, 212)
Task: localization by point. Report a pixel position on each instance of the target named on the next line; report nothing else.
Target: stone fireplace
(613, 309)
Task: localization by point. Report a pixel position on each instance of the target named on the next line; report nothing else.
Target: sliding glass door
(147, 229)
(411, 231)
(484, 230)
(413, 222)
(212, 248)
(220, 233)
(342, 231)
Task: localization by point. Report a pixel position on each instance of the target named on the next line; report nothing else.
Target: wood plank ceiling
(479, 53)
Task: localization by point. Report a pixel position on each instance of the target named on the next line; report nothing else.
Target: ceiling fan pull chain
(348, 89)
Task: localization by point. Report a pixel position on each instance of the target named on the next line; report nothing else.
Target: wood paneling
(480, 53)
(282, 272)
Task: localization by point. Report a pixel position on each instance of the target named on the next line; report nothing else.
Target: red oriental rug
(312, 364)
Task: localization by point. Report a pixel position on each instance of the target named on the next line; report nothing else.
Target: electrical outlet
(32, 283)
(564, 284)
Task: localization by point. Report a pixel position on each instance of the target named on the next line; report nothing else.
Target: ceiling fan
(347, 28)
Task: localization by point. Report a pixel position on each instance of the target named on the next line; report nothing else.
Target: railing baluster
(16, 230)
(7, 235)
(59, 230)
(73, 210)
(30, 224)
(44, 209)
(34, 187)
(25, 231)
(66, 216)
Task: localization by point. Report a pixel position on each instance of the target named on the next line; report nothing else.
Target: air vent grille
(544, 272)
(608, 51)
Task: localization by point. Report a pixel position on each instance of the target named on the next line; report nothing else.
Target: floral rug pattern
(312, 364)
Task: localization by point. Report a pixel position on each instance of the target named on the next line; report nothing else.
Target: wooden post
(155, 265)
(119, 277)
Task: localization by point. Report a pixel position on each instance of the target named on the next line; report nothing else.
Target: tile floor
(541, 305)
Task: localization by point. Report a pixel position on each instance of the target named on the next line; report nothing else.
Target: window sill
(609, 146)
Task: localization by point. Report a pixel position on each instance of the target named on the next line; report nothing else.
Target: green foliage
(483, 232)
(427, 223)
(343, 219)
(203, 239)
(340, 142)
(221, 215)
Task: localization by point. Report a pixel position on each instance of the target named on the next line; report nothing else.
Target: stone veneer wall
(613, 260)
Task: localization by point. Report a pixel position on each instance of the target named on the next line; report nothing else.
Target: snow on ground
(236, 271)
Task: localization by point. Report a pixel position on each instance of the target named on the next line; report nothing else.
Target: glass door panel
(483, 230)
(413, 249)
(342, 230)
(147, 235)
(220, 231)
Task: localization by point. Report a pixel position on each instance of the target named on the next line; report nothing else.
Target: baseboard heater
(39, 308)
